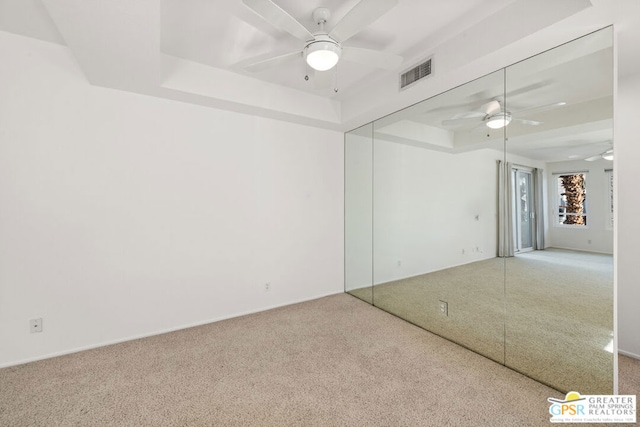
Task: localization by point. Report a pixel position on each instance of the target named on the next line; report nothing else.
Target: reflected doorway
(523, 209)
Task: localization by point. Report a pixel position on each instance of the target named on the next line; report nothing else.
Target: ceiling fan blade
(540, 108)
(362, 14)
(593, 158)
(528, 88)
(264, 64)
(599, 156)
(491, 107)
(527, 122)
(466, 105)
(372, 58)
(464, 121)
(479, 97)
(510, 93)
(279, 18)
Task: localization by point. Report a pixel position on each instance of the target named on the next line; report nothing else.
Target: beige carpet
(550, 316)
(336, 361)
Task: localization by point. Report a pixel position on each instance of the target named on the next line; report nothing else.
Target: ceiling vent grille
(416, 73)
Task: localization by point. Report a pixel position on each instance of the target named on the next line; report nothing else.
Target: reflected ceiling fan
(495, 116)
(606, 155)
(322, 50)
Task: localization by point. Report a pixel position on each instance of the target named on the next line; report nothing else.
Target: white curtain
(538, 209)
(505, 210)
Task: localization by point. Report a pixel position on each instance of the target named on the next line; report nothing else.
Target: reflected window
(572, 199)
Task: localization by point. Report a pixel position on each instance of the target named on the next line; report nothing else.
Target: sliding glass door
(523, 214)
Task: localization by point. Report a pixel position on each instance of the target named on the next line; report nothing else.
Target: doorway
(523, 215)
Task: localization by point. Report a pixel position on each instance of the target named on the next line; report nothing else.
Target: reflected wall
(453, 225)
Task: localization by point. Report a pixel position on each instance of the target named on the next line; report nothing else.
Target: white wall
(596, 236)
(425, 208)
(124, 215)
(627, 159)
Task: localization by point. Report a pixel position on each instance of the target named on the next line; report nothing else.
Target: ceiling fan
(495, 116)
(606, 155)
(322, 50)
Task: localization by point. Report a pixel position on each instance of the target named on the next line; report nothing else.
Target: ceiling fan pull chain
(335, 79)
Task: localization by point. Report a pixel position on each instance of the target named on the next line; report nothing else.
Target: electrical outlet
(36, 325)
(399, 263)
(463, 252)
(444, 308)
(267, 286)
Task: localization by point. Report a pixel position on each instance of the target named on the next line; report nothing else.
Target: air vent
(416, 73)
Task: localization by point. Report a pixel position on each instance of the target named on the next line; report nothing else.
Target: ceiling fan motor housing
(321, 15)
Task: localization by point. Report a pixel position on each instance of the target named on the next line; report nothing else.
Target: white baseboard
(164, 331)
(358, 288)
(578, 250)
(629, 354)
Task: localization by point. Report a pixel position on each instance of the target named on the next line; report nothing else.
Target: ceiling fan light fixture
(499, 120)
(608, 155)
(322, 55)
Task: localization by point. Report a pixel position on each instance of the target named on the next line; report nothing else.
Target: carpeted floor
(547, 314)
(335, 361)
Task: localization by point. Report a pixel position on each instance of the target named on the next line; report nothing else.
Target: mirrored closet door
(484, 215)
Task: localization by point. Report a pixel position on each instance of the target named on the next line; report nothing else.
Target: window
(572, 199)
(609, 176)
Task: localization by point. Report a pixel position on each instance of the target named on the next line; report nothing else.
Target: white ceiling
(192, 50)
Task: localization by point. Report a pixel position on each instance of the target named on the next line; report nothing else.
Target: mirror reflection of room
(485, 215)
(559, 268)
